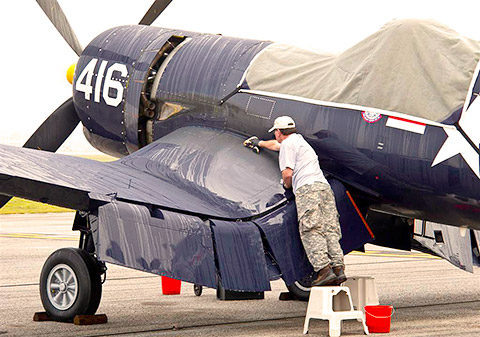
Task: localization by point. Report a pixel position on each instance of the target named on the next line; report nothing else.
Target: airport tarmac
(430, 296)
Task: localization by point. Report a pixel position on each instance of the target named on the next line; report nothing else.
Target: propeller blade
(59, 20)
(154, 11)
(55, 129)
(52, 133)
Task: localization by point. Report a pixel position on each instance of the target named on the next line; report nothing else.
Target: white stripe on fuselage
(406, 125)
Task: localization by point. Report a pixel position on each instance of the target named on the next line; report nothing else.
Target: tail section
(470, 120)
(465, 139)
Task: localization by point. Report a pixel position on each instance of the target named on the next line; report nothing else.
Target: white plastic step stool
(333, 304)
(363, 291)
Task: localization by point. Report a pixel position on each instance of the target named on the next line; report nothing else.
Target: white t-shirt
(298, 155)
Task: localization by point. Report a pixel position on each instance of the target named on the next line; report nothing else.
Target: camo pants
(318, 225)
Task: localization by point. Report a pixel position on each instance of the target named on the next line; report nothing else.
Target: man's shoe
(326, 277)
(340, 274)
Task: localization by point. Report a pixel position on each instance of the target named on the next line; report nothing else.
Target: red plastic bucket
(377, 317)
(170, 286)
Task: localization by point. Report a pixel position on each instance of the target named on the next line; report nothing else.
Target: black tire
(197, 289)
(70, 284)
(301, 288)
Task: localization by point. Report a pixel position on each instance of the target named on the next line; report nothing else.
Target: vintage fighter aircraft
(393, 121)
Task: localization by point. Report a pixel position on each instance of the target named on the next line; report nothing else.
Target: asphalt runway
(430, 297)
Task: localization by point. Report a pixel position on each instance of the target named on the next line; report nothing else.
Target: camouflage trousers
(318, 225)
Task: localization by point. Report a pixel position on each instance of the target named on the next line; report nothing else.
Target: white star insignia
(457, 144)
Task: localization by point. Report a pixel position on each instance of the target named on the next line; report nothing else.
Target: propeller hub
(70, 72)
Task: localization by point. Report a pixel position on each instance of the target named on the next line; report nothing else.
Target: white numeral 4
(84, 82)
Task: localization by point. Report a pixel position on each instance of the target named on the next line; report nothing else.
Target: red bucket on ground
(377, 317)
(170, 286)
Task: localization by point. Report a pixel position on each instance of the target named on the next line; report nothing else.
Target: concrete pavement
(430, 297)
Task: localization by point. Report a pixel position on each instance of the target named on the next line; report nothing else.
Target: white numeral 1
(109, 83)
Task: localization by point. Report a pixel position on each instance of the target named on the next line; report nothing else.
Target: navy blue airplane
(187, 200)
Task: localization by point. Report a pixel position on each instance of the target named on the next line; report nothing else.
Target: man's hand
(287, 175)
(253, 143)
(288, 192)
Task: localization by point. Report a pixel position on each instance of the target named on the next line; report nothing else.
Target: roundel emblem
(371, 117)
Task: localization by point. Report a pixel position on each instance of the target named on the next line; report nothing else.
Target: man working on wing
(317, 214)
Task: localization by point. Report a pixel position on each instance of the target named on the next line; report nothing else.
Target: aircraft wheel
(197, 289)
(70, 284)
(301, 289)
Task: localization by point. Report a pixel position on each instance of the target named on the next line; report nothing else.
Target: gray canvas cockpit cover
(417, 67)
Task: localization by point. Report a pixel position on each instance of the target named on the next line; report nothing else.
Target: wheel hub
(62, 287)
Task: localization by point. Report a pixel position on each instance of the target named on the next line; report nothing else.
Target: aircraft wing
(193, 170)
(195, 205)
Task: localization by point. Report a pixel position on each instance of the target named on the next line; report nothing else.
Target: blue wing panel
(281, 232)
(213, 166)
(241, 259)
(354, 232)
(160, 242)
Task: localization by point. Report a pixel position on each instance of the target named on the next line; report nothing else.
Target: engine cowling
(111, 82)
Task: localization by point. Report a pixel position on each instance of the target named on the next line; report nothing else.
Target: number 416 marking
(109, 83)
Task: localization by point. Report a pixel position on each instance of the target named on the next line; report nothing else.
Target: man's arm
(255, 144)
(270, 144)
(287, 177)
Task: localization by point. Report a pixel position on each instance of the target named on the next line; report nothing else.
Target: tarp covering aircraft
(423, 60)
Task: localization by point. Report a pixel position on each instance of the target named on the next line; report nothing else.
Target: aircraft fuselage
(135, 84)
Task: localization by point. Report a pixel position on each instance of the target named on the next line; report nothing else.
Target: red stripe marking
(407, 120)
(360, 215)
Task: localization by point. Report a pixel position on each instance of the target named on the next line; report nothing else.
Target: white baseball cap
(283, 122)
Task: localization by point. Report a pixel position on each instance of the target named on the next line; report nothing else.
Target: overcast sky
(35, 57)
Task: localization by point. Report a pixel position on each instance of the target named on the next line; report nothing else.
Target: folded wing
(195, 205)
